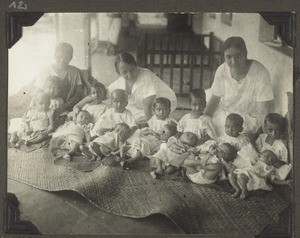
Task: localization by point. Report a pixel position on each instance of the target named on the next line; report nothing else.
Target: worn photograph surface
(151, 123)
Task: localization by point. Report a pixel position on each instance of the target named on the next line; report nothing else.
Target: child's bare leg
(191, 170)
(104, 150)
(128, 163)
(123, 150)
(74, 146)
(86, 151)
(159, 170)
(242, 181)
(212, 171)
(170, 169)
(137, 155)
(233, 181)
(13, 138)
(95, 149)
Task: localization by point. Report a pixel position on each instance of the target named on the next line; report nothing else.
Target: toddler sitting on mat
(35, 126)
(72, 134)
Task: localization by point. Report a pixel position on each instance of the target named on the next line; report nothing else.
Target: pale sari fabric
(71, 77)
(241, 97)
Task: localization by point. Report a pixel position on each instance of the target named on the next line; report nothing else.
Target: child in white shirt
(93, 102)
(115, 115)
(196, 122)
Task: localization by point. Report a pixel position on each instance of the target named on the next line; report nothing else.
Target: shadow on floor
(67, 212)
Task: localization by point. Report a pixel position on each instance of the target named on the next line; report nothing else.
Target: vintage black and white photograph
(151, 123)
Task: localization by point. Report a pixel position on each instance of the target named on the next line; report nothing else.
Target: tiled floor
(67, 212)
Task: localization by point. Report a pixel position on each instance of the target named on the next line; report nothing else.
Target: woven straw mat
(131, 193)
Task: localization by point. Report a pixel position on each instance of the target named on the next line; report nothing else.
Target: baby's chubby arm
(80, 104)
(88, 137)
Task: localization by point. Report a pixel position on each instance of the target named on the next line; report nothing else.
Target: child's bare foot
(243, 195)
(16, 145)
(67, 157)
(153, 174)
(236, 194)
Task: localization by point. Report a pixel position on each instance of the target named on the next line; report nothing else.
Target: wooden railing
(183, 60)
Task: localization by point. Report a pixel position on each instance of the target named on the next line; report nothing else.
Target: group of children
(190, 145)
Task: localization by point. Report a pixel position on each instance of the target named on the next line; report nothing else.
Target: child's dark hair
(197, 93)
(276, 118)
(236, 42)
(163, 101)
(85, 112)
(236, 118)
(120, 93)
(172, 128)
(124, 57)
(123, 125)
(100, 88)
(232, 152)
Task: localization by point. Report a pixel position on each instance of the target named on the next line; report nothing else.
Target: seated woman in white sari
(142, 86)
(241, 86)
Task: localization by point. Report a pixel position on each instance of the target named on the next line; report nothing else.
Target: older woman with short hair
(72, 89)
(241, 86)
(142, 86)
(69, 75)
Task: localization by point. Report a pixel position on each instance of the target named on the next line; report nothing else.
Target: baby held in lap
(196, 122)
(72, 134)
(146, 145)
(109, 143)
(210, 166)
(93, 102)
(115, 115)
(35, 126)
(168, 161)
(261, 175)
(149, 138)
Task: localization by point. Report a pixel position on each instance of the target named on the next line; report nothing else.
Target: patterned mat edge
(102, 209)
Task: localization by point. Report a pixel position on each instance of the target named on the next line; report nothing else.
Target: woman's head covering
(236, 42)
(124, 57)
(65, 48)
